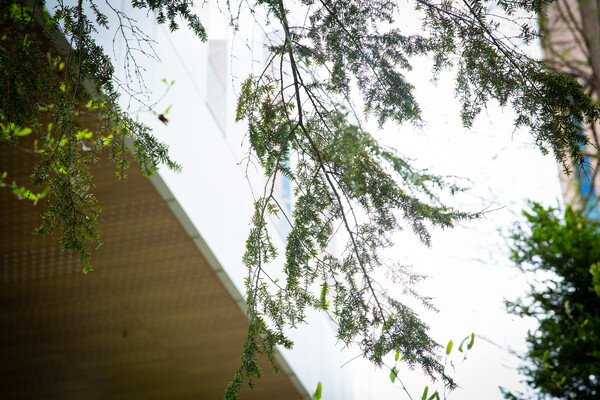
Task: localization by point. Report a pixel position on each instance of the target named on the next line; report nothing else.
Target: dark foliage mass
(563, 360)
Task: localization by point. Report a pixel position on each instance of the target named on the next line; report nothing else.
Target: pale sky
(470, 274)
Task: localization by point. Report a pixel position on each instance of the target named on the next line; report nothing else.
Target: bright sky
(470, 274)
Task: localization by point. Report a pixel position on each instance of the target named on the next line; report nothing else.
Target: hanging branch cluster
(301, 126)
(491, 66)
(66, 99)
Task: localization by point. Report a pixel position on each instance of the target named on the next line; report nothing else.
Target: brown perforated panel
(152, 322)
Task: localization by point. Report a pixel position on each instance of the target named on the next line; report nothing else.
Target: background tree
(302, 124)
(563, 360)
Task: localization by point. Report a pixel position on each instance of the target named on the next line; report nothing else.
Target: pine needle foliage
(301, 125)
(299, 114)
(49, 90)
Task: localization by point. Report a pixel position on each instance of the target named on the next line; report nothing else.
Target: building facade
(571, 43)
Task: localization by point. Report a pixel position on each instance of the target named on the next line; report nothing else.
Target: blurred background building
(571, 44)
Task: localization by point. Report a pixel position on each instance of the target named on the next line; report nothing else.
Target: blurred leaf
(470, 345)
(23, 131)
(84, 134)
(388, 323)
(595, 271)
(435, 395)
(462, 342)
(317, 394)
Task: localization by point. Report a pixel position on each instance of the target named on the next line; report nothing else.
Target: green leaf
(23, 132)
(393, 374)
(388, 323)
(107, 140)
(41, 195)
(462, 342)
(317, 394)
(424, 397)
(435, 395)
(449, 347)
(470, 345)
(595, 271)
(324, 291)
(84, 134)
(397, 355)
